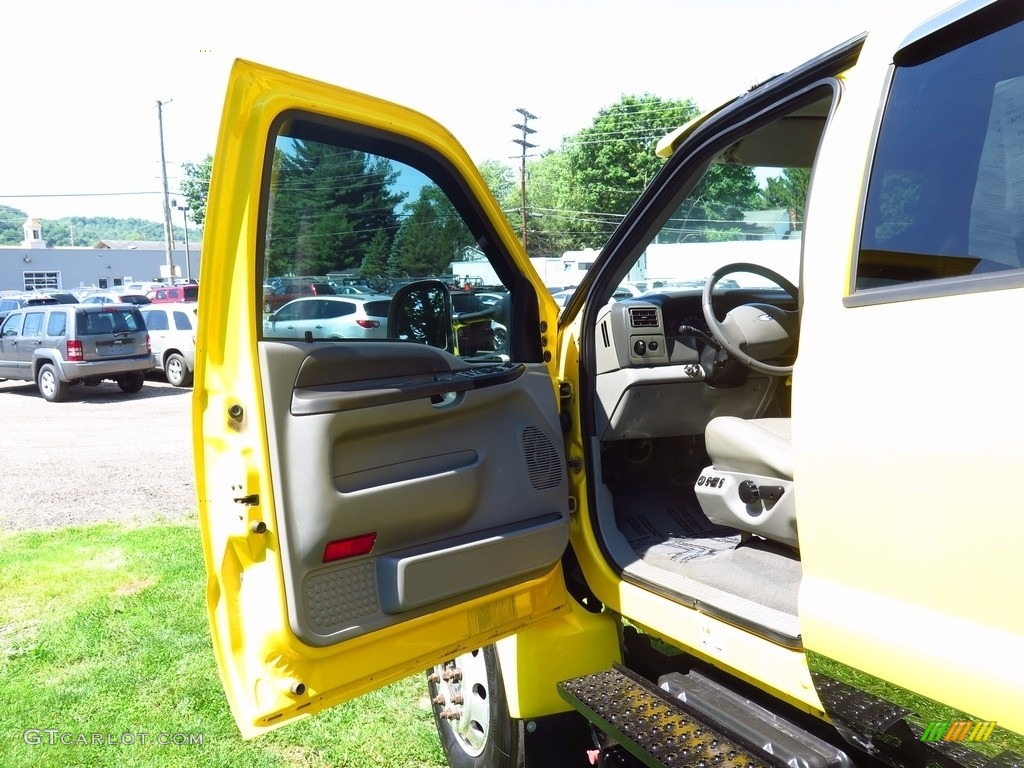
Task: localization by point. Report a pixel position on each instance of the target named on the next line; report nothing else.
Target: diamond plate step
(653, 726)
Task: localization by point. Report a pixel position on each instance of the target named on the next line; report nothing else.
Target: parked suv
(166, 293)
(63, 344)
(330, 317)
(172, 335)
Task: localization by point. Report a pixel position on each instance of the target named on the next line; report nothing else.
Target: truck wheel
(176, 370)
(131, 382)
(471, 713)
(50, 386)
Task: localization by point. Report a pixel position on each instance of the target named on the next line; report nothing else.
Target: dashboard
(650, 381)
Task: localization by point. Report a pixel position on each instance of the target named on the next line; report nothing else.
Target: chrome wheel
(176, 371)
(461, 697)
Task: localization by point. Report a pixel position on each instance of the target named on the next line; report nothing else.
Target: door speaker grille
(542, 460)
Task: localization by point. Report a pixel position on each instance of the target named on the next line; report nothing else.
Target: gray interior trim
(415, 578)
(460, 494)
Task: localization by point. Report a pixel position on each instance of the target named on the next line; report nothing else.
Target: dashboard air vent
(643, 317)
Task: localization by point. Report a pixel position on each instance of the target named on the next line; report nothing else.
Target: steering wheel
(772, 331)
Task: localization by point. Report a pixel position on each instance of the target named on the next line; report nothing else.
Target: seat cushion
(751, 446)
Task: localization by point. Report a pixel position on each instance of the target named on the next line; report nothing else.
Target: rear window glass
(947, 185)
(377, 308)
(182, 321)
(109, 321)
(335, 309)
(57, 324)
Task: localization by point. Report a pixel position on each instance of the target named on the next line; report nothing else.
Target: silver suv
(63, 344)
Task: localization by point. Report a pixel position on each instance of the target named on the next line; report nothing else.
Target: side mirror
(421, 312)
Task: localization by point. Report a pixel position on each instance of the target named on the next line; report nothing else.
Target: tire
(50, 386)
(267, 308)
(176, 370)
(476, 730)
(131, 382)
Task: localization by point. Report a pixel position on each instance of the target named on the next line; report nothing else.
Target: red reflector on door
(339, 549)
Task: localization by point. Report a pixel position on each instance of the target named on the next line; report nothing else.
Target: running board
(654, 727)
(737, 714)
(691, 720)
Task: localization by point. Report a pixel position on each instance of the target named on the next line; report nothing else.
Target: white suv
(172, 333)
(330, 317)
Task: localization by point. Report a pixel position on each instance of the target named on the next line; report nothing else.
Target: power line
(80, 194)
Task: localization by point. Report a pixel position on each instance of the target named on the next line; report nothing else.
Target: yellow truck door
(369, 506)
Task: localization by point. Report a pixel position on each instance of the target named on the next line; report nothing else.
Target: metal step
(738, 715)
(655, 727)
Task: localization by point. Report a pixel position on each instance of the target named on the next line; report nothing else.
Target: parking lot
(100, 456)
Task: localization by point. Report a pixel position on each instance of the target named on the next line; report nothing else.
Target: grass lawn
(103, 633)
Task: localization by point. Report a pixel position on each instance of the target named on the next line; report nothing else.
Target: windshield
(736, 214)
(747, 207)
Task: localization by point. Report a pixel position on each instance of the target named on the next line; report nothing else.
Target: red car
(285, 292)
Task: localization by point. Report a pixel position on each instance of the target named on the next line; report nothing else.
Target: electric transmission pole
(168, 226)
(527, 130)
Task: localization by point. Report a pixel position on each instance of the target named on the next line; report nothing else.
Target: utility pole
(168, 226)
(184, 220)
(525, 128)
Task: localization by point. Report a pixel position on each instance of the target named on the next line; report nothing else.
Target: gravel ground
(100, 456)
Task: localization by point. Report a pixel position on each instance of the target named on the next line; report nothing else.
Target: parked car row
(365, 316)
(61, 345)
(37, 345)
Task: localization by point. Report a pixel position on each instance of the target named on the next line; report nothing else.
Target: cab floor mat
(668, 531)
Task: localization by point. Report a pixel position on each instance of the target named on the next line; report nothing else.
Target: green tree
(714, 210)
(501, 180)
(329, 206)
(11, 221)
(195, 187)
(608, 164)
(431, 236)
(789, 190)
(375, 262)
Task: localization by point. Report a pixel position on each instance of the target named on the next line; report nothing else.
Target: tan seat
(749, 485)
(752, 446)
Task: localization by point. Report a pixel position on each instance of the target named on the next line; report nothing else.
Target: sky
(79, 126)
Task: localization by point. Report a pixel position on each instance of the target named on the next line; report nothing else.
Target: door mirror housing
(421, 312)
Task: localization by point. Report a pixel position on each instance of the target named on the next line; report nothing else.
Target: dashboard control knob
(653, 346)
(639, 347)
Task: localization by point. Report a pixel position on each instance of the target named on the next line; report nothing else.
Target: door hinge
(565, 391)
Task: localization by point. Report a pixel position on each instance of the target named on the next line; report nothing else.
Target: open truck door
(368, 506)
